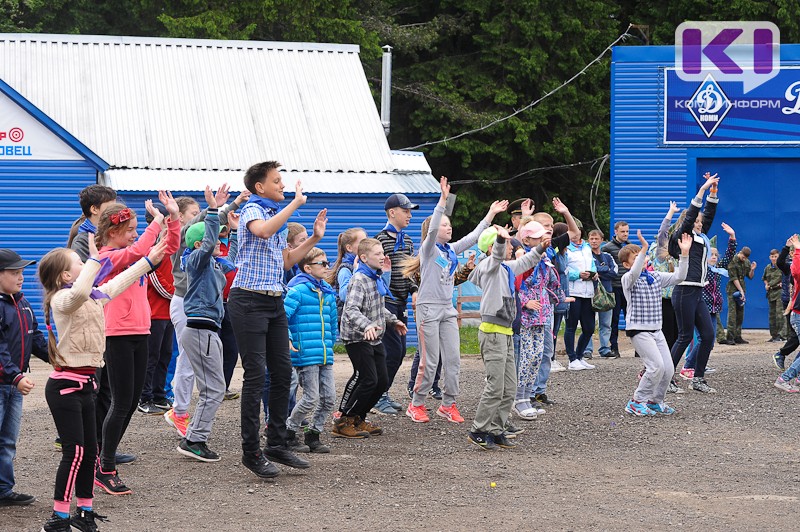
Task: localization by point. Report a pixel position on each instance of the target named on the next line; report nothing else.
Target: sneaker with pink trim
(418, 414)
(687, 373)
(450, 413)
(178, 422)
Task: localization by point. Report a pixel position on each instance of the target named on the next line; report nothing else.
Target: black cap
(163, 210)
(399, 200)
(10, 260)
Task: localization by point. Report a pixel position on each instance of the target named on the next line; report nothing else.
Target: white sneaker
(585, 364)
(576, 365)
(556, 367)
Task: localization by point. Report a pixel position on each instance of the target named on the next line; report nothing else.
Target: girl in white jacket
(582, 273)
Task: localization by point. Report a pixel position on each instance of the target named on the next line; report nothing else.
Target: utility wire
(622, 37)
(526, 172)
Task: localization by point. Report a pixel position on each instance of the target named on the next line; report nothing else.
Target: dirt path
(725, 461)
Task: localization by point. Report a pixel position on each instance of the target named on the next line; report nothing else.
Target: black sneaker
(615, 352)
(57, 524)
(110, 482)
(17, 499)
(163, 404)
(83, 520)
(511, 430)
(294, 444)
(123, 458)
(57, 443)
(740, 341)
(503, 441)
(259, 465)
(436, 393)
(284, 456)
(150, 409)
(197, 450)
(780, 361)
(542, 398)
(484, 440)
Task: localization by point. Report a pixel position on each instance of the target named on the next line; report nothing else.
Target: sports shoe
(576, 365)
(282, 455)
(436, 393)
(17, 499)
(484, 440)
(786, 386)
(688, 373)
(57, 444)
(587, 355)
(163, 404)
(780, 361)
(149, 409)
(124, 458)
(615, 352)
(542, 398)
(410, 391)
(397, 406)
(557, 367)
(503, 441)
(259, 465)
(511, 431)
(710, 370)
(383, 406)
(344, 427)
(197, 450)
(83, 520)
(110, 481)
(450, 413)
(230, 396)
(57, 524)
(699, 384)
(661, 408)
(366, 426)
(522, 409)
(179, 423)
(294, 444)
(674, 388)
(311, 438)
(638, 409)
(418, 414)
(586, 364)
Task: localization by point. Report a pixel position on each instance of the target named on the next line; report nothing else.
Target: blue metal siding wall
(37, 208)
(344, 211)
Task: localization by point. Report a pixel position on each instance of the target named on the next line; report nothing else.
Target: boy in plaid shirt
(642, 291)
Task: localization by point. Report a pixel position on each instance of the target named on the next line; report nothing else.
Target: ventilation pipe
(386, 89)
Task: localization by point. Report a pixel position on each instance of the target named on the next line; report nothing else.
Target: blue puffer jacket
(313, 324)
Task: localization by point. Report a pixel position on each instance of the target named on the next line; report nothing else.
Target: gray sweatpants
(437, 331)
(183, 380)
(653, 348)
(497, 351)
(204, 351)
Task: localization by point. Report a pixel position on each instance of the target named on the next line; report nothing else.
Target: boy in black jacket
(19, 337)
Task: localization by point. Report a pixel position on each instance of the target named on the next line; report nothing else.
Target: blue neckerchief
(383, 290)
(223, 262)
(269, 205)
(718, 271)
(348, 258)
(102, 273)
(647, 275)
(319, 284)
(451, 255)
(707, 243)
(401, 236)
(87, 227)
(511, 277)
(224, 240)
(184, 257)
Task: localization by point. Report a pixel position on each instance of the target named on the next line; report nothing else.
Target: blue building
(142, 114)
(666, 133)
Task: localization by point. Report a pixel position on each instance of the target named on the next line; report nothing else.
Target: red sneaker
(180, 423)
(450, 413)
(687, 373)
(418, 414)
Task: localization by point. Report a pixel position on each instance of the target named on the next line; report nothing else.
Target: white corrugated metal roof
(314, 182)
(181, 104)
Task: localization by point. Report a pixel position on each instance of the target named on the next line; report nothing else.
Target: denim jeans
(794, 369)
(319, 396)
(10, 418)
(692, 355)
(604, 319)
(540, 386)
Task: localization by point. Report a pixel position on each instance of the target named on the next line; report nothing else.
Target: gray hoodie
(497, 298)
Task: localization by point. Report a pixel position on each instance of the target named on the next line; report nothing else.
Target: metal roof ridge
(172, 41)
(159, 169)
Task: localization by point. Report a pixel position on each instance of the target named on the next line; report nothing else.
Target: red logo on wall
(14, 134)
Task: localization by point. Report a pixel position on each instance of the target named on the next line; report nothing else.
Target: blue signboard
(712, 112)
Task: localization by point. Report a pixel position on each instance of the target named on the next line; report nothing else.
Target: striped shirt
(260, 260)
(400, 286)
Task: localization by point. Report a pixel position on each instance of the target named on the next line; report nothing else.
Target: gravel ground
(725, 461)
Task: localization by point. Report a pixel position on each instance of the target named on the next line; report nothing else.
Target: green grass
(469, 340)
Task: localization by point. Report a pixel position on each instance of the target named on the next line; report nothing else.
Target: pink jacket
(129, 313)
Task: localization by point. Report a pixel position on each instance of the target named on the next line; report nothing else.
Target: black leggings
(369, 380)
(159, 346)
(690, 313)
(668, 324)
(579, 310)
(73, 413)
(126, 365)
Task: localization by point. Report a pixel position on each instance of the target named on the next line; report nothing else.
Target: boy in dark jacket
(19, 337)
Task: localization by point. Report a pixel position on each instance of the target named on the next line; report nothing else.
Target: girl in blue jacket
(313, 326)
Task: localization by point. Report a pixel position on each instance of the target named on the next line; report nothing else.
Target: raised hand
(210, 199)
(93, 253)
(527, 207)
(502, 232)
(545, 243)
(156, 254)
(673, 208)
(711, 180)
(753, 266)
(685, 243)
(320, 223)
(222, 195)
(165, 197)
(728, 229)
(642, 240)
(242, 197)
(233, 221)
(155, 213)
(299, 197)
(498, 206)
(559, 206)
(794, 241)
(444, 185)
